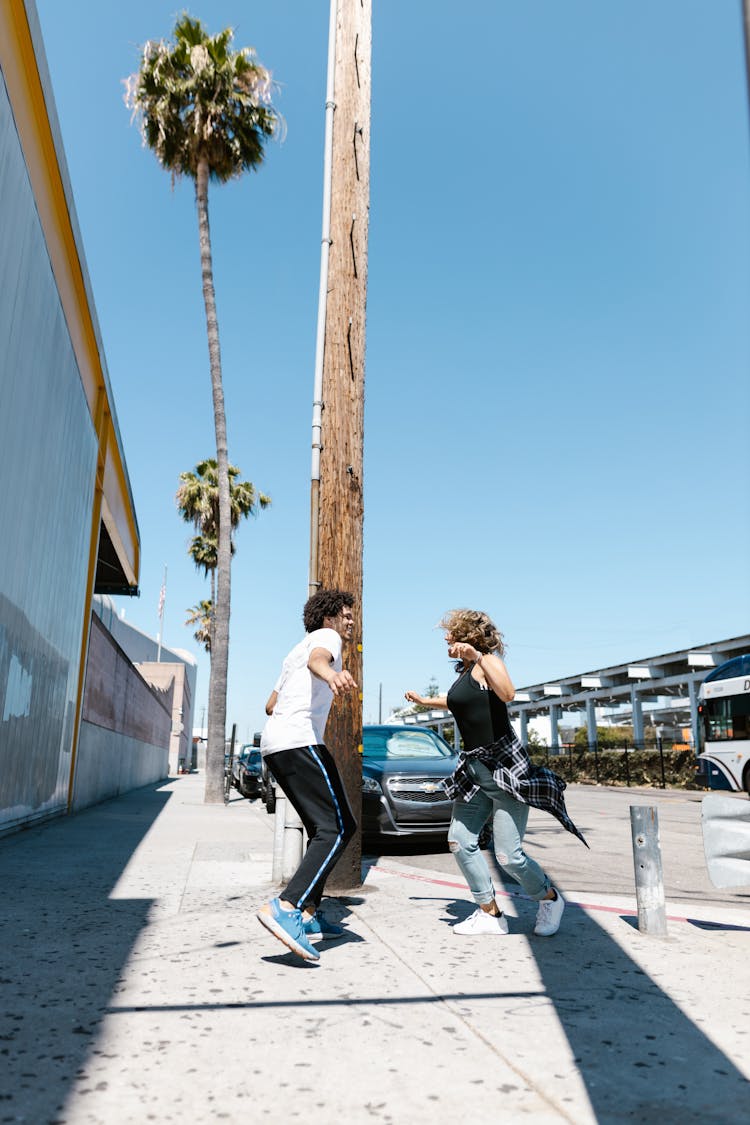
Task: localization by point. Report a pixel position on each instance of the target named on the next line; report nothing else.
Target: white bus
(724, 711)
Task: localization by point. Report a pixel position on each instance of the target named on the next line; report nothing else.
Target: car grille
(421, 790)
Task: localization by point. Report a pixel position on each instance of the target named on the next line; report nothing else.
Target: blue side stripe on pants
(340, 819)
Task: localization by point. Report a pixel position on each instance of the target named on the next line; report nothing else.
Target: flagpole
(162, 600)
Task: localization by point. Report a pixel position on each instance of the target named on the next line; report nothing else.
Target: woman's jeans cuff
(483, 898)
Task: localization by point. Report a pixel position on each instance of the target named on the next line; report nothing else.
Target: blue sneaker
(288, 927)
(319, 926)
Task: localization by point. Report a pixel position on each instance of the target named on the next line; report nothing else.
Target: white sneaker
(480, 922)
(549, 914)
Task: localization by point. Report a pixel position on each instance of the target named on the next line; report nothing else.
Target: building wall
(162, 675)
(66, 506)
(126, 727)
(118, 698)
(110, 763)
(157, 665)
(48, 454)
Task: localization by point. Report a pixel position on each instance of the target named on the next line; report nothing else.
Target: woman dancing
(494, 778)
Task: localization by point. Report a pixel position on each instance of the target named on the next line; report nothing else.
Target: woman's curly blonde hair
(473, 627)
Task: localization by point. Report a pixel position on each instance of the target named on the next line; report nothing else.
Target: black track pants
(310, 779)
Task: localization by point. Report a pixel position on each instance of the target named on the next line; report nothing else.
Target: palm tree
(206, 113)
(198, 503)
(202, 551)
(200, 615)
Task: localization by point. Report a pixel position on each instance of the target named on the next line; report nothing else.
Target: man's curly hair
(473, 627)
(326, 603)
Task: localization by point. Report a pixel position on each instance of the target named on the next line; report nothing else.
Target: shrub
(620, 767)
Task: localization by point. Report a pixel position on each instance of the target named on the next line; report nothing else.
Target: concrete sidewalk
(138, 986)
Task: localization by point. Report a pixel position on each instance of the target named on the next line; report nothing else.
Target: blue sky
(557, 392)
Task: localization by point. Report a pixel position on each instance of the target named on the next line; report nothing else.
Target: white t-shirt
(301, 711)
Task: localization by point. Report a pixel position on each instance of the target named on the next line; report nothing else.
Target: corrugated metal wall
(48, 452)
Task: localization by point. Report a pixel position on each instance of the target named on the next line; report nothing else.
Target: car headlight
(370, 785)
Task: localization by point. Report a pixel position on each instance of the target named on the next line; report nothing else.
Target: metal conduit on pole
(325, 247)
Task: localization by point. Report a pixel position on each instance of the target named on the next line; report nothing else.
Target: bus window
(740, 716)
(727, 718)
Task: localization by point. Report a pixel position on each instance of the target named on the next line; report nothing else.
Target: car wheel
(270, 800)
(746, 779)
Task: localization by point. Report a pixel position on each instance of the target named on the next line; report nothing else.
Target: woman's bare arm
(492, 667)
(496, 675)
(439, 701)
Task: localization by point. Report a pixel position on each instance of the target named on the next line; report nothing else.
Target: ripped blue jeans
(509, 819)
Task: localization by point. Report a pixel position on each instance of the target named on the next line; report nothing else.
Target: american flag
(162, 599)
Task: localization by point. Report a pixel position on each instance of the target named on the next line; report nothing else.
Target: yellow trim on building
(21, 73)
(104, 428)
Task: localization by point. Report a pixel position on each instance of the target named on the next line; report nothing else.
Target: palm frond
(197, 99)
(197, 500)
(202, 616)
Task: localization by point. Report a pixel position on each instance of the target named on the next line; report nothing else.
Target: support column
(694, 719)
(554, 719)
(591, 723)
(523, 720)
(636, 705)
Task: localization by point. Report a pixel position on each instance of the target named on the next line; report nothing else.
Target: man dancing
(292, 748)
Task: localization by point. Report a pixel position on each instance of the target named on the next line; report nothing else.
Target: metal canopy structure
(667, 684)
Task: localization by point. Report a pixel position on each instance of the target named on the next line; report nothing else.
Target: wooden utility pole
(341, 509)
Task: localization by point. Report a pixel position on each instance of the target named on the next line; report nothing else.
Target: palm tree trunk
(213, 605)
(217, 688)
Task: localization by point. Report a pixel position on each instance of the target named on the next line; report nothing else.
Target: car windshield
(251, 757)
(403, 744)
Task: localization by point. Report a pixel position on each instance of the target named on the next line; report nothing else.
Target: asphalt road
(603, 816)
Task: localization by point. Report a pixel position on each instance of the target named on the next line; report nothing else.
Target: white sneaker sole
(496, 931)
(286, 939)
(485, 933)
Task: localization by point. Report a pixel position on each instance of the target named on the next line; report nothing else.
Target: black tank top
(481, 715)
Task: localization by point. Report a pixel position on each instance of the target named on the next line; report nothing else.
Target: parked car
(402, 768)
(267, 788)
(246, 772)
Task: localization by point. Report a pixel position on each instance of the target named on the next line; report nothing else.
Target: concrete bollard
(293, 840)
(279, 817)
(649, 880)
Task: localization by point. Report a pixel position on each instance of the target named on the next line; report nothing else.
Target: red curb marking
(509, 894)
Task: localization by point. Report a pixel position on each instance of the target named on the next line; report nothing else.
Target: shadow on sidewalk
(64, 943)
(639, 1054)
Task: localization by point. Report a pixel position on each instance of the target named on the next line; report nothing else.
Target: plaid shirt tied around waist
(513, 772)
